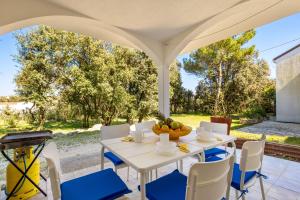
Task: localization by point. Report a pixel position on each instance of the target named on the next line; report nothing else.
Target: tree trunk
(219, 89)
(141, 117)
(42, 118)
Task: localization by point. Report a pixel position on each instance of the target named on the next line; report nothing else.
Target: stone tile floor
(283, 181)
(273, 128)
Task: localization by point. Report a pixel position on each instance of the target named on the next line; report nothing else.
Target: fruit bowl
(174, 134)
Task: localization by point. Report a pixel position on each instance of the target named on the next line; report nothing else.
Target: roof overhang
(290, 52)
(161, 28)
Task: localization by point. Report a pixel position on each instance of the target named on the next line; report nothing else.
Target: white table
(143, 158)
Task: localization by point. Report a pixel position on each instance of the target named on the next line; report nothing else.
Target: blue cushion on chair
(236, 177)
(104, 185)
(171, 186)
(113, 158)
(214, 152)
(212, 159)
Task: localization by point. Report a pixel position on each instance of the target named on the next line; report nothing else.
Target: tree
(231, 74)
(35, 81)
(140, 82)
(93, 79)
(181, 100)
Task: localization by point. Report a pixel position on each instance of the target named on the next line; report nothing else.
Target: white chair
(210, 154)
(245, 173)
(209, 181)
(115, 131)
(105, 184)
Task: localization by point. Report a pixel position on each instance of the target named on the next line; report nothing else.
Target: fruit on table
(175, 125)
(165, 128)
(174, 128)
(157, 126)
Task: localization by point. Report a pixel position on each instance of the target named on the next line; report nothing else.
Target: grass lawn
(52, 125)
(188, 119)
(194, 119)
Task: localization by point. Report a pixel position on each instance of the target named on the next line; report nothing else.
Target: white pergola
(161, 28)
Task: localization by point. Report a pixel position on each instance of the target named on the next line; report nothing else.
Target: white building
(288, 85)
(15, 106)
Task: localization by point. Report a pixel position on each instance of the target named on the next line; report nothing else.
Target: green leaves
(97, 80)
(231, 75)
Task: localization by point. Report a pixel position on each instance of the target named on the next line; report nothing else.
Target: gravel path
(274, 128)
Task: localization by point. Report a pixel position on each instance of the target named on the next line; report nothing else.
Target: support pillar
(164, 90)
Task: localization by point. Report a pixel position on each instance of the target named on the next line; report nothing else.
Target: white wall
(288, 89)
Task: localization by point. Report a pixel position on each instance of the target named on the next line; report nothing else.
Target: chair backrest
(51, 155)
(145, 125)
(252, 155)
(114, 131)
(210, 180)
(215, 127)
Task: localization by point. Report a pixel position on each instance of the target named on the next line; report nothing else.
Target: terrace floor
(283, 181)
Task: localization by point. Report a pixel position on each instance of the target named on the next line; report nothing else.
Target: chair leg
(156, 173)
(127, 173)
(262, 188)
(236, 194)
(116, 170)
(151, 175)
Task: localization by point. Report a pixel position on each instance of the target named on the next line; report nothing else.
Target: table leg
(142, 185)
(151, 174)
(202, 157)
(181, 166)
(199, 155)
(102, 158)
(234, 151)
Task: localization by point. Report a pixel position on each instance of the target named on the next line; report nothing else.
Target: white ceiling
(161, 28)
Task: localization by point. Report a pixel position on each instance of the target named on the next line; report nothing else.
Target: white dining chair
(105, 184)
(219, 128)
(206, 180)
(245, 173)
(115, 131)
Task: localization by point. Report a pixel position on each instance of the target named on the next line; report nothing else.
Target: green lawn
(55, 126)
(192, 120)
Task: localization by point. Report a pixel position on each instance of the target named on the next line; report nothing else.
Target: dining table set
(145, 151)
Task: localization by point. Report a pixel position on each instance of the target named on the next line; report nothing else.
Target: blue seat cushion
(104, 185)
(214, 152)
(171, 186)
(212, 159)
(236, 177)
(113, 158)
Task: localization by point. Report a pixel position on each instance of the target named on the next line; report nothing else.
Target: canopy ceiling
(161, 28)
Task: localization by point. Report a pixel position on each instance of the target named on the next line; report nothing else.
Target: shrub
(10, 117)
(255, 112)
(11, 122)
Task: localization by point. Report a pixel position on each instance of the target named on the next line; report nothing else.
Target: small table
(25, 139)
(143, 158)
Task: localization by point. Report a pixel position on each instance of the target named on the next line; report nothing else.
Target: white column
(163, 90)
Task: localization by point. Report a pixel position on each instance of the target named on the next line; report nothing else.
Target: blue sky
(267, 36)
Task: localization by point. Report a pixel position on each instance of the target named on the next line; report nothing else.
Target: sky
(267, 36)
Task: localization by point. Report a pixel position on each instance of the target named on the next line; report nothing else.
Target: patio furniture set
(209, 179)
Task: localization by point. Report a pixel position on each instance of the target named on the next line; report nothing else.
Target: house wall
(288, 89)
